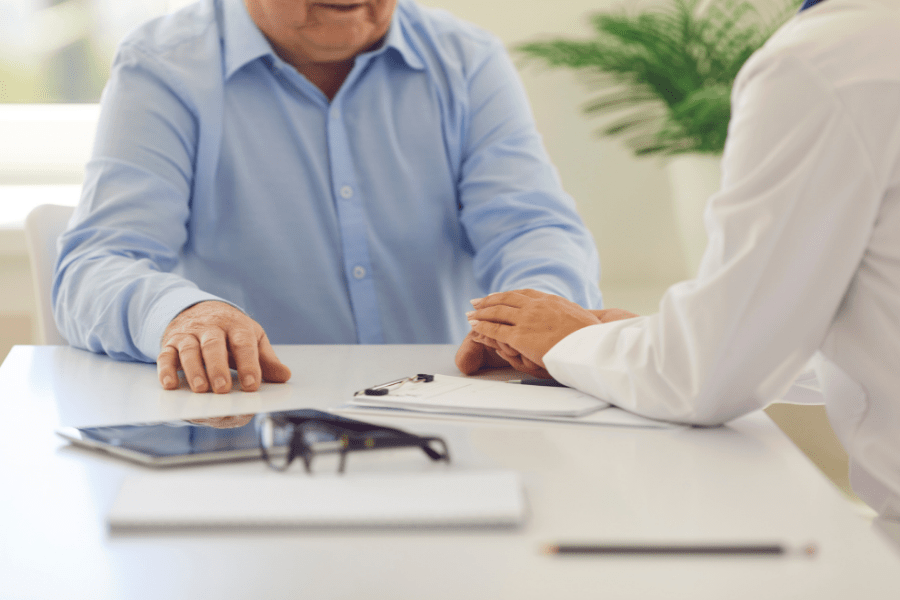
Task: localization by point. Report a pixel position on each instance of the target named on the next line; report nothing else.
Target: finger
(528, 362)
(214, 349)
(515, 299)
(498, 332)
(532, 368)
(493, 359)
(517, 364)
(507, 349)
(490, 343)
(506, 314)
(191, 362)
(504, 296)
(522, 363)
(243, 347)
(273, 369)
(536, 371)
(167, 366)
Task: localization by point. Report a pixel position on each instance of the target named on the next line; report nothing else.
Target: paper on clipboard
(479, 397)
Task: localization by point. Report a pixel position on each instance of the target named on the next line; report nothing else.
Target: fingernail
(220, 382)
(470, 313)
(476, 301)
(474, 322)
(168, 381)
(248, 381)
(198, 382)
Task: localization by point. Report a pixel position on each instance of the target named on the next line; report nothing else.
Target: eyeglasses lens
(275, 437)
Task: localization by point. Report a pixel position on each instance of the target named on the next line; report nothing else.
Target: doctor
(803, 259)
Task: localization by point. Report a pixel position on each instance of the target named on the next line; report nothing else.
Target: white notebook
(165, 501)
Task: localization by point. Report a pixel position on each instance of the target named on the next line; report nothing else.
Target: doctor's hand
(206, 340)
(530, 323)
(521, 363)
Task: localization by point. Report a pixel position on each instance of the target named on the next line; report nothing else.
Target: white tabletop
(744, 482)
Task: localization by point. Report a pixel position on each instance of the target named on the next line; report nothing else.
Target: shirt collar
(397, 39)
(244, 42)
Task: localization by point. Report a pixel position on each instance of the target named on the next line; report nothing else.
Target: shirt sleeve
(524, 228)
(114, 289)
(787, 232)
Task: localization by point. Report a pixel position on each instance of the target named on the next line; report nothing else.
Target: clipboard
(424, 395)
(478, 397)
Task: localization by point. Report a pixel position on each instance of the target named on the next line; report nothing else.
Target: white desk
(744, 482)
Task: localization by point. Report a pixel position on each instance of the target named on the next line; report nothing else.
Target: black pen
(543, 382)
(809, 550)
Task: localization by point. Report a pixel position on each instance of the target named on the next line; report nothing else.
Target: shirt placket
(349, 198)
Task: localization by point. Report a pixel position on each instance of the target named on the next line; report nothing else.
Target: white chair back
(43, 226)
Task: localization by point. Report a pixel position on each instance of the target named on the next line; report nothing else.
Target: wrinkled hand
(208, 339)
(530, 323)
(473, 356)
(508, 357)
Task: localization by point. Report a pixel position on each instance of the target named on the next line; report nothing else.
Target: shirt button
(347, 192)
(359, 272)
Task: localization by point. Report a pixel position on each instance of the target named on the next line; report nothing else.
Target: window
(59, 51)
(55, 57)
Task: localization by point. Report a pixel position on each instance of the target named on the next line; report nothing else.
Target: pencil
(674, 549)
(541, 382)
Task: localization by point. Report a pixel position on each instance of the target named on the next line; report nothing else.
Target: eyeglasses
(308, 433)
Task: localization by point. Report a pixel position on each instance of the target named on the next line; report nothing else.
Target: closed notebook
(451, 499)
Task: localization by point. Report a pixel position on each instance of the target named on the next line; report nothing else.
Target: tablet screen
(179, 442)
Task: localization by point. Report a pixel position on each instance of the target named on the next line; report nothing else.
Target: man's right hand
(207, 340)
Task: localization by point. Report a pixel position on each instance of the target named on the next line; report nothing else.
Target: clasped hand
(519, 327)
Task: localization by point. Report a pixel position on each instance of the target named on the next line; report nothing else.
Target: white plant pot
(693, 178)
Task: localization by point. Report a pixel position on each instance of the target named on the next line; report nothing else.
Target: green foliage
(670, 68)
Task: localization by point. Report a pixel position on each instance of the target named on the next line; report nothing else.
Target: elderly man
(803, 259)
(349, 171)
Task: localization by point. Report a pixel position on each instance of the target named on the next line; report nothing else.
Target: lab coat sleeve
(786, 233)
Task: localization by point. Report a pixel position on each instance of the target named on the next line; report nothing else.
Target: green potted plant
(664, 75)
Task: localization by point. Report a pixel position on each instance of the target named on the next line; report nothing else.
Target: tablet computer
(170, 443)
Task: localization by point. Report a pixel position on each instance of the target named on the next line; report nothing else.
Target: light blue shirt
(220, 172)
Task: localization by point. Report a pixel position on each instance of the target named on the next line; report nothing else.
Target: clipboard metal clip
(392, 386)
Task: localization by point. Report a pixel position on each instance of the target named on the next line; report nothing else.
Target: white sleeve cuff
(572, 360)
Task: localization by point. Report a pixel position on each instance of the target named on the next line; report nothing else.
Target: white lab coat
(803, 258)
